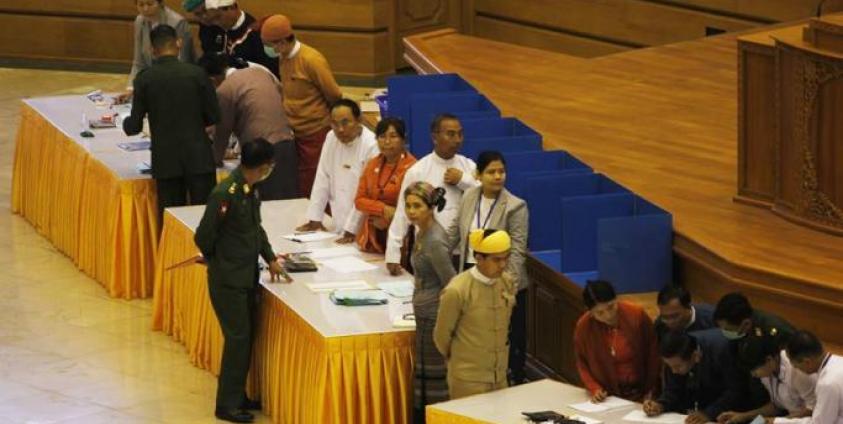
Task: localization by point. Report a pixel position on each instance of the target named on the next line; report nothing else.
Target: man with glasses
(348, 147)
(309, 91)
(443, 167)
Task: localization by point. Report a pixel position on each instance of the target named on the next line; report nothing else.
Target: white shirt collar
(240, 21)
(480, 277)
(693, 317)
(295, 51)
(440, 159)
(230, 71)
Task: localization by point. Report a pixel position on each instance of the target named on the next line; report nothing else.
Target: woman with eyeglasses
(380, 185)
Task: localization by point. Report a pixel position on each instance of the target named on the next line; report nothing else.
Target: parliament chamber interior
(649, 152)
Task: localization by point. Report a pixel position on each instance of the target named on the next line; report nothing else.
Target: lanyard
(825, 361)
(230, 48)
(489, 215)
(391, 174)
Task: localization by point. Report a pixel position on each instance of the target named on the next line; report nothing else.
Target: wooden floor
(663, 122)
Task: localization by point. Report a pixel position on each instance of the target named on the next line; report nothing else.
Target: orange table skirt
(105, 224)
(438, 416)
(302, 377)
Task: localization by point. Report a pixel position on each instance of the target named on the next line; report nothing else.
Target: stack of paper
(135, 146)
(310, 237)
(333, 252)
(338, 285)
(403, 288)
(348, 264)
(609, 404)
(638, 416)
(358, 297)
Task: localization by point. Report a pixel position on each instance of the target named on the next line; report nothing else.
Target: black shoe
(251, 405)
(235, 416)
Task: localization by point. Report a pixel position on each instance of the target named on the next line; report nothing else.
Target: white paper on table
(348, 264)
(614, 402)
(638, 416)
(310, 237)
(333, 252)
(400, 322)
(338, 285)
(586, 420)
(402, 288)
(589, 407)
(369, 106)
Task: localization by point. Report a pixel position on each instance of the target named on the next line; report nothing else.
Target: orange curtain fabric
(106, 225)
(438, 416)
(302, 376)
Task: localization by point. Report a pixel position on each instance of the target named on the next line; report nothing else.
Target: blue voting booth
(582, 224)
(521, 166)
(425, 107)
(506, 135)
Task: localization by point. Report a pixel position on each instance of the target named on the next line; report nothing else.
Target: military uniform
(231, 238)
(472, 329)
(180, 101)
(764, 324)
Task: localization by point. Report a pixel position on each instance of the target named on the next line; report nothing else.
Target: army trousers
(236, 312)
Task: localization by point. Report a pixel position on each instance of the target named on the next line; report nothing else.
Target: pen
(296, 240)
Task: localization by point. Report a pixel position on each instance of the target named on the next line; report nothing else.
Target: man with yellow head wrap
(473, 319)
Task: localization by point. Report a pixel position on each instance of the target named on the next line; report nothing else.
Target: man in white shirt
(441, 168)
(348, 147)
(807, 354)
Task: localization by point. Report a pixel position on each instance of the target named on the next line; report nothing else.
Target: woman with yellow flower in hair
(473, 321)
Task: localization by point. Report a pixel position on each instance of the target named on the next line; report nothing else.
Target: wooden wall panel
(69, 38)
(114, 8)
(766, 10)
(625, 22)
(541, 38)
(353, 54)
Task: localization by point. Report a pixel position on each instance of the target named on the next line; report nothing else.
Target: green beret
(190, 5)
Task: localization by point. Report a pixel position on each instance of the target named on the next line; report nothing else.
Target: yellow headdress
(489, 241)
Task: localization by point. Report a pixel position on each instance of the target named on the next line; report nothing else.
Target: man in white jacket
(348, 147)
(443, 167)
(807, 354)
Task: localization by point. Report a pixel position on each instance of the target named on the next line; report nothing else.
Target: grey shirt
(143, 46)
(432, 269)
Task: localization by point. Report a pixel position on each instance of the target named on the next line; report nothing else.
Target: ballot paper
(135, 146)
(611, 402)
(403, 288)
(586, 420)
(348, 264)
(310, 237)
(332, 252)
(330, 286)
(638, 416)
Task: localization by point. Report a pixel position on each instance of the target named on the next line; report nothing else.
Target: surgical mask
(270, 51)
(732, 335)
(267, 173)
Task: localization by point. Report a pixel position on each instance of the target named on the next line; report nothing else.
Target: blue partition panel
(580, 219)
(546, 160)
(543, 195)
(424, 107)
(636, 252)
(472, 147)
(400, 88)
(496, 127)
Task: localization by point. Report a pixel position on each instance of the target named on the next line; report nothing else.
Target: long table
(505, 406)
(85, 194)
(315, 362)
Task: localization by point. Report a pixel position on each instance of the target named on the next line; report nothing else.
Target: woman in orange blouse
(615, 347)
(380, 185)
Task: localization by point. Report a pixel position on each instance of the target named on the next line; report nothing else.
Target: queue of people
(446, 219)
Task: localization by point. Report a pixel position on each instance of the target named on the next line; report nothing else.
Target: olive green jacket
(230, 235)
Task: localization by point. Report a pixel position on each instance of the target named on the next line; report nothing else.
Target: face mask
(732, 335)
(270, 51)
(267, 173)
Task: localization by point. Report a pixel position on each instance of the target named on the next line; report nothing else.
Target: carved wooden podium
(790, 138)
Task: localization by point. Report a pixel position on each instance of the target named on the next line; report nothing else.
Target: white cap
(216, 4)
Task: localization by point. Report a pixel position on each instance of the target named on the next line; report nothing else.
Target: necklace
(614, 338)
(381, 187)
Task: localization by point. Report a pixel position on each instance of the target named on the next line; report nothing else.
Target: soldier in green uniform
(231, 239)
(738, 321)
(181, 102)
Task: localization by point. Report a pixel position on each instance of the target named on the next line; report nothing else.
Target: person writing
(700, 379)
(615, 346)
(808, 355)
(380, 185)
(431, 258)
(231, 239)
(348, 147)
(473, 322)
(789, 389)
(492, 206)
